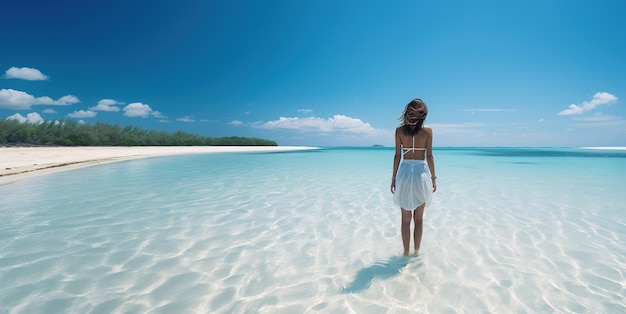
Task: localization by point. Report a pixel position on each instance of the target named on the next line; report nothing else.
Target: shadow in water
(382, 270)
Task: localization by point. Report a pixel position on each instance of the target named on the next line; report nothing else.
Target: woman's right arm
(396, 160)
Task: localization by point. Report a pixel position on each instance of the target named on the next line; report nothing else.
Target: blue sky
(493, 73)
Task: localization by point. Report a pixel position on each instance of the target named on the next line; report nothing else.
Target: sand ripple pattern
(309, 232)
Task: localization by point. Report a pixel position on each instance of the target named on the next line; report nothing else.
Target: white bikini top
(412, 149)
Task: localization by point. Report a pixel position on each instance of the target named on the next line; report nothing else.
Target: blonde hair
(413, 116)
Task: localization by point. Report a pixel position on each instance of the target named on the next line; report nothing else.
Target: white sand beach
(19, 162)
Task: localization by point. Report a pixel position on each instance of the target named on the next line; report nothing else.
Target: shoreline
(17, 163)
(605, 147)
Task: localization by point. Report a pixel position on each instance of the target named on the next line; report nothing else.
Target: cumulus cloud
(25, 74)
(336, 123)
(138, 109)
(32, 117)
(15, 99)
(186, 119)
(65, 100)
(49, 111)
(82, 114)
(235, 123)
(599, 99)
(107, 105)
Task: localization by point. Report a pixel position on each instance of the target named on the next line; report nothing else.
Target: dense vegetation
(72, 133)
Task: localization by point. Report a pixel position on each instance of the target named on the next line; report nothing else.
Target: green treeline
(72, 133)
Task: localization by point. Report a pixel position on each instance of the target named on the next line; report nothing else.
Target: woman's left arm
(431, 158)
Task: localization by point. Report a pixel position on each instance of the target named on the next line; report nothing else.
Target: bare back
(417, 146)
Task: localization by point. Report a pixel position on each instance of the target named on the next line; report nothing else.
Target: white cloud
(236, 123)
(475, 129)
(66, 100)
(599, 121)
(336, 123)
(597, 117)
(49, 111)
(32, 117)
(138, 109)
(107, 105)
(15, 99)
(186, 119)
(82, 114)
(305, 111)
(25, 74)
(490, 110)
(600, 98)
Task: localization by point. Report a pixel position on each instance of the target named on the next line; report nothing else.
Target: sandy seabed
(317, 232)
(19, 162)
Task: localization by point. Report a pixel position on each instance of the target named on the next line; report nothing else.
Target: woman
(413, 182)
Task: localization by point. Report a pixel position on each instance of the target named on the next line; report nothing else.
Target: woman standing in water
(413, 181)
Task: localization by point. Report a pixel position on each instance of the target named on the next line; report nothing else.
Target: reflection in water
(382, 270)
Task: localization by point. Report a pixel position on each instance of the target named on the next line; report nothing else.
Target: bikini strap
(412, 149)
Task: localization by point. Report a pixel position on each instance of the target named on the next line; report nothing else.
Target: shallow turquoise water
(510, 229)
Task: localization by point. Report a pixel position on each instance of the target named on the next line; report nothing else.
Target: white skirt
(414, 185)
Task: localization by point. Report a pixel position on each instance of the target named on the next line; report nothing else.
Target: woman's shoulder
(427, 129)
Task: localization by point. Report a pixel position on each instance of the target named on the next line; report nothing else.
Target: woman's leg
(406, 229)
(418, 214)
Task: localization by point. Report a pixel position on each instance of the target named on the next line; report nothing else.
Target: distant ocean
(510, 230)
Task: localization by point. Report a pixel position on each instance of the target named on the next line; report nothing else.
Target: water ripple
(308, 233)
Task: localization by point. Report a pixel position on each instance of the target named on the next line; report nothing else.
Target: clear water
(509, 230)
